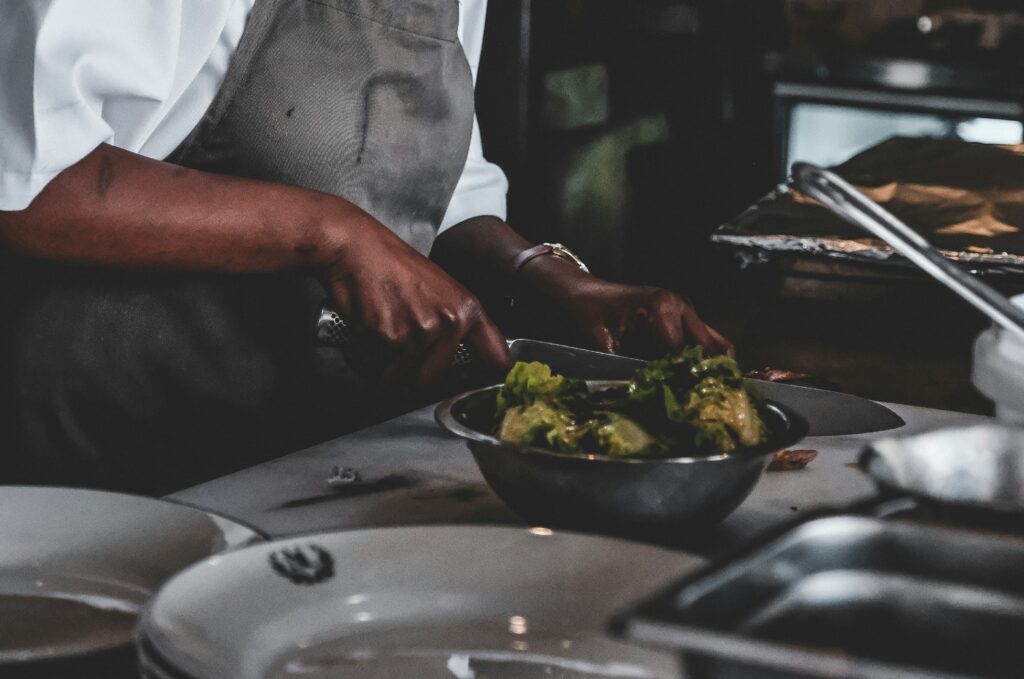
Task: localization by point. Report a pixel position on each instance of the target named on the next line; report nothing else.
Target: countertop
(409, 471)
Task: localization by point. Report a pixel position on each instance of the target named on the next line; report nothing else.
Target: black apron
(152, 380)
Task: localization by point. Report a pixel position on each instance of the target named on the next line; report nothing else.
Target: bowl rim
(796, 432)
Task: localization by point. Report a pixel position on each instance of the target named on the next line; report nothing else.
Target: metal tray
(849, 597)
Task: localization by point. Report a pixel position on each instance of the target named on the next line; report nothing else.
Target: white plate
(447, 602)
(77, 566)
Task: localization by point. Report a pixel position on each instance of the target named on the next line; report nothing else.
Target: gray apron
(152, 380)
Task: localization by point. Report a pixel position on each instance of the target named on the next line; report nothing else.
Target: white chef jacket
(140, 74)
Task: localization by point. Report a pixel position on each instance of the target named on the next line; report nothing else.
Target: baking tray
(966, 199)
(849, 596)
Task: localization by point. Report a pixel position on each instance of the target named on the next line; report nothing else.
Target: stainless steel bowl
(624, 495)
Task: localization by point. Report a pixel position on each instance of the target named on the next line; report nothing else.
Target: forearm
(480, 253)
(119, 208)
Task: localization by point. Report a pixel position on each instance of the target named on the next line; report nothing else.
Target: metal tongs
(843, 199)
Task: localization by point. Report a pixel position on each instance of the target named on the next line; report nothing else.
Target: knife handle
(332, 330)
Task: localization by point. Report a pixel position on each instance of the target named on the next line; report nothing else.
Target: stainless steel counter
(408, 471)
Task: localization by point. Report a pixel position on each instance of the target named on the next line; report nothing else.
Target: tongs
(844, 200)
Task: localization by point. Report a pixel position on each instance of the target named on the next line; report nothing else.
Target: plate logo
(309, 565)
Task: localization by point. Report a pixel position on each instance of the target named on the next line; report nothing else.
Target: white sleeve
(76, 74)
(482, 189)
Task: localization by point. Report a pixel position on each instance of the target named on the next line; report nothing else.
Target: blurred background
(631, 130)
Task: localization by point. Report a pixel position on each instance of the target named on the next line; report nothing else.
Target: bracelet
(555, 249)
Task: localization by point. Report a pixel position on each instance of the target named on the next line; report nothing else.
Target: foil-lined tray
(966, 199)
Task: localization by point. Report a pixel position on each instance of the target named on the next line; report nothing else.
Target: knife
(829, 413)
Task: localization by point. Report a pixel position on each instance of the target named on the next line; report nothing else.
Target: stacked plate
(77, 567)
(427, 602)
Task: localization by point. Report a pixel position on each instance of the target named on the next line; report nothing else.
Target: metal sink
(850, 597)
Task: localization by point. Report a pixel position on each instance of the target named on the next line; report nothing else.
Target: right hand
(420, 312)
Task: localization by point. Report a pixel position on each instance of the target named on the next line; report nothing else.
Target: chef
(183, 182)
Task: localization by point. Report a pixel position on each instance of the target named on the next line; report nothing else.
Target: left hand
(609, 316)
(613, 315)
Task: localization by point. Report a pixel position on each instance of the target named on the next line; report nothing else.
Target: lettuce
(681, 404)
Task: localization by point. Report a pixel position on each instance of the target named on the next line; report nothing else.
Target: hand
(612, 315)
(482, 250)
(418, 310)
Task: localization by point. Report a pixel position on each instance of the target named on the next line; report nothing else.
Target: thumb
(604, 340)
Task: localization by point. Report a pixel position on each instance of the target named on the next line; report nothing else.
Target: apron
(149, 381)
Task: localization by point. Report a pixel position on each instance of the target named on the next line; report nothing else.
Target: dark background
(631, 130)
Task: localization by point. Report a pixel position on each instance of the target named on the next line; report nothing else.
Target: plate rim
(12, 661)
(686, 560)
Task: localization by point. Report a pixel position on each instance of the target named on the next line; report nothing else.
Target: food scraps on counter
(791, 460)
(683, 404)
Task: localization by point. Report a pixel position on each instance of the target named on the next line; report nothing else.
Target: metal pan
(851, 598)
(973, 474)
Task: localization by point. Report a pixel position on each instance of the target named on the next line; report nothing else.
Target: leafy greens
(681, 404)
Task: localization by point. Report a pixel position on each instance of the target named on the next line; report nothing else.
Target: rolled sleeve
(78, 74)
(482, 188)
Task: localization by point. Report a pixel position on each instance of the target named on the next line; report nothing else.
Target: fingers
(423, 350)
(604, 340)
(490, 343)
(724, 344)
(436, 362)
(675, 323)
(417, 312)
(698, 331)
(481, 334)
(665, 315)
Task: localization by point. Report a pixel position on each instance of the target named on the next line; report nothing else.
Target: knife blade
(829, 413)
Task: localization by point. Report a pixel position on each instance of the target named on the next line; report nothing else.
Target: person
(182, 183)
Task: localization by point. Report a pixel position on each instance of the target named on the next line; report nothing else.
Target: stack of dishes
(78, 566)
(447, 602)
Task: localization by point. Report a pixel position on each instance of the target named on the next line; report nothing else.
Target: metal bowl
(612, 494)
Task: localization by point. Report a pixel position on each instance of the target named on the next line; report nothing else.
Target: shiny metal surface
(850, 597)
(332, 330)
(624, 495)
(829, 413)
(843, 199)
(979, 467)
(583, 364)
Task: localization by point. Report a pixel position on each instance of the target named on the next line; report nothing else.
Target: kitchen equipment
(974, 474)
(849, 597)
(658, 497)
(846, 201)
(954, 191)
(829, 413)
(998, 370)
(334, 331)
(77, 566)
(427, 602)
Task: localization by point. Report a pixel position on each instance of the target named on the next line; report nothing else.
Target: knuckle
(430, 326)
(394, 335)
(666, 301)
(449, 316)
(470, 310)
